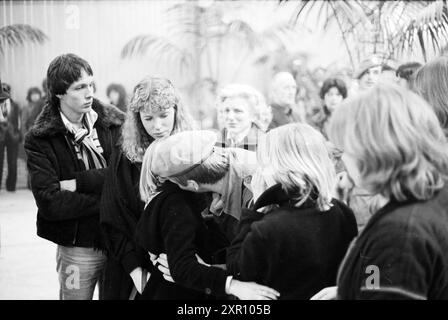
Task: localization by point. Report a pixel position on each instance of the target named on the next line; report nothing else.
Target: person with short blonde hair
(394, 146)
(242, 116)
(296, 245)
(431, 82)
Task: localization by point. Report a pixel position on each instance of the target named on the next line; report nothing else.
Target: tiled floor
(27, 262)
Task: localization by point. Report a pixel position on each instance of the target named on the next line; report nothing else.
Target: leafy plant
(19, 34)
(199, 36)
(386, 28)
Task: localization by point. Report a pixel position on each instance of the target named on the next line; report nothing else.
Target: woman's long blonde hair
(431, 82)
(297, 157)
(396, 140)
(151, 94)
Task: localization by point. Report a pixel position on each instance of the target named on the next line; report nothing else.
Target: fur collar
(49, 121)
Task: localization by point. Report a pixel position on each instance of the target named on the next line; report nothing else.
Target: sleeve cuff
(81, 183)
(228, 282)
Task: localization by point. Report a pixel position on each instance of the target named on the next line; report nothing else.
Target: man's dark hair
(406, 70)
(44, 86)
(333, 82)
(62, 72)
(6, 87)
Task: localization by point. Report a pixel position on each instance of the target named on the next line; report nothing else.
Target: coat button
(208, 291)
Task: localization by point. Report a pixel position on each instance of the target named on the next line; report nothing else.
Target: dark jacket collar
(275, 195)
(390, 206)
(281, 109)
(49, 121)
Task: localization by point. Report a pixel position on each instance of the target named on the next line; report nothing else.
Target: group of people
(149, 206)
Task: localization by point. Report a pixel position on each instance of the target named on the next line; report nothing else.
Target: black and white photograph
(216, 151)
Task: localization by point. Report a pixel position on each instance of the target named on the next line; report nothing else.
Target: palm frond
(280, 35)
(240, 28)
(160, 48)
(429, 26)
(349, 13)
(19, 34)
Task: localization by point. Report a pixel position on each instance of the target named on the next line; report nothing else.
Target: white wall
(105, 26)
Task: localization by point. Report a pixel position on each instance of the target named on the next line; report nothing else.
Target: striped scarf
(85, 140)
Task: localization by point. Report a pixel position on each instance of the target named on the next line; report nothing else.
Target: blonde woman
(395, 147)
(155, 112)
(243, 116)
(172, 222)
(296, 245)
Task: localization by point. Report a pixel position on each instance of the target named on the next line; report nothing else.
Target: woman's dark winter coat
(400, 254)
(172, 224)
(295, 250)
(68, 218)
(121, 208)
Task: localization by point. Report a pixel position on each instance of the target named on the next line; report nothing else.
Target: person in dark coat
(297, 234)
(68, 150)
(37, 107)
(155, 111)
(10, 135)
(226, 198)
(34, 97)
(397, 149)
(172, 222)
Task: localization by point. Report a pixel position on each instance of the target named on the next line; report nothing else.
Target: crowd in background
(281, 200)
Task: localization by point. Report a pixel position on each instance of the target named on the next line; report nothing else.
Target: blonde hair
(296, 156)
(255, 100)
(151, 94)
(431, 82)
(396, 141)
(210, 171)
(149, 183)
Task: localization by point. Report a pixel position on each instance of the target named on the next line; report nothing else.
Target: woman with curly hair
(155, 112)
(332, 93)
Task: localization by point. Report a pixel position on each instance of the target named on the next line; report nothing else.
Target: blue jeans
(79, 269)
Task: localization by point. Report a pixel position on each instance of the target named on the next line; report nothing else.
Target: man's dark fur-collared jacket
(68, 218)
